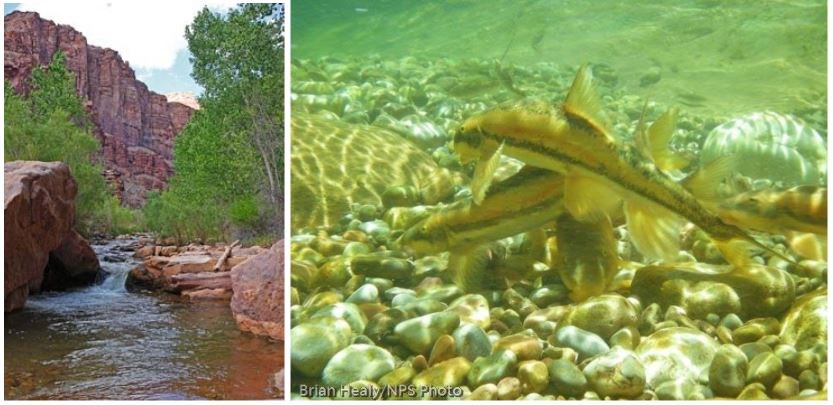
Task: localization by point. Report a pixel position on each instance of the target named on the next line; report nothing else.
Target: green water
(717, 57)
(385, 90)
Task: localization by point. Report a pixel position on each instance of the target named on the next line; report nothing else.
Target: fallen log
(200, 281)
(207, 294)
(225, 255)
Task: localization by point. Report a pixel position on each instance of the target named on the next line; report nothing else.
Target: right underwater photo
(563, 199)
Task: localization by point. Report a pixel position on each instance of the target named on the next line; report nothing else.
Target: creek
(107, 341)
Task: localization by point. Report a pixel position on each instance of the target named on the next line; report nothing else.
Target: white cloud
(147, 34)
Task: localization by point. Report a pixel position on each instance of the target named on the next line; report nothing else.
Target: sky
(149, 37)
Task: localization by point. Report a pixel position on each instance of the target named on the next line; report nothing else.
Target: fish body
(527, 200)
(524, 202)
(799, 209)
(600, 172)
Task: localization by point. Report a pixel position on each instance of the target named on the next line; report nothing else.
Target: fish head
(469, 141)
(751, 203)
(426, 237)
(748, 210)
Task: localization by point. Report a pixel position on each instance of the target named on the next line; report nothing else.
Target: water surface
(104, 342)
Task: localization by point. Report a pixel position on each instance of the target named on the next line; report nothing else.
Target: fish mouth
(411, 240)
(423, 242)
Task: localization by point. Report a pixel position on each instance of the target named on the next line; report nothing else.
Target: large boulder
(72, 264)
(39, 212)
(332, 147)
(257, 303)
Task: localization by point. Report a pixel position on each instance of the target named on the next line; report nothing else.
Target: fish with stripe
(602, 174)
(799, 213)
(525, 202)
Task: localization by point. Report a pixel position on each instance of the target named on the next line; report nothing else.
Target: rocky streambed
(106, 341)
(372, 319)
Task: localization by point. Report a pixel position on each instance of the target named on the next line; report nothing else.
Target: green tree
(228, 161)
(53, 89)
(238, 59)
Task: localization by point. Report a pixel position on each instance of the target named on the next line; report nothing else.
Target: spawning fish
(527, 200)
(801, 209)
(799, 213)
(600, 172)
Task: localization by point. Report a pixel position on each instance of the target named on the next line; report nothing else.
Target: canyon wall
(136, 127)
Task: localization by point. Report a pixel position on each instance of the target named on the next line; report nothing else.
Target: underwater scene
(559, 200)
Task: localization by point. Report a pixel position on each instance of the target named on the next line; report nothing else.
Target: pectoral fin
(469, 268)
(536, 244)
(587, 198)
(484, 172)
(654, 231)
(736, 251)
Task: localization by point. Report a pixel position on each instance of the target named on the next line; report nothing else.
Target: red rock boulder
(39, 211)
(72, 264)
(257, 302)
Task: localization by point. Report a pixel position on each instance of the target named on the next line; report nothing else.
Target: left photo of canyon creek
(143, 153)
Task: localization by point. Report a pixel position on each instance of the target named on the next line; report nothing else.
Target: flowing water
(105, 342)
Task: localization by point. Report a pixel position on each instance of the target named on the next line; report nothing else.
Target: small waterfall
(115, 278)
(115, 265)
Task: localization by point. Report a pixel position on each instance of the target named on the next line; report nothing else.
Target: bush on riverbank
(50, 124)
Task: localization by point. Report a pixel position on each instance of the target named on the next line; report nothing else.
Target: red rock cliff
(136, 126)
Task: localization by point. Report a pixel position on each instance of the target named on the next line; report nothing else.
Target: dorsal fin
(584, 105)
(653, 142)
(659, 136)
(640, 135)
